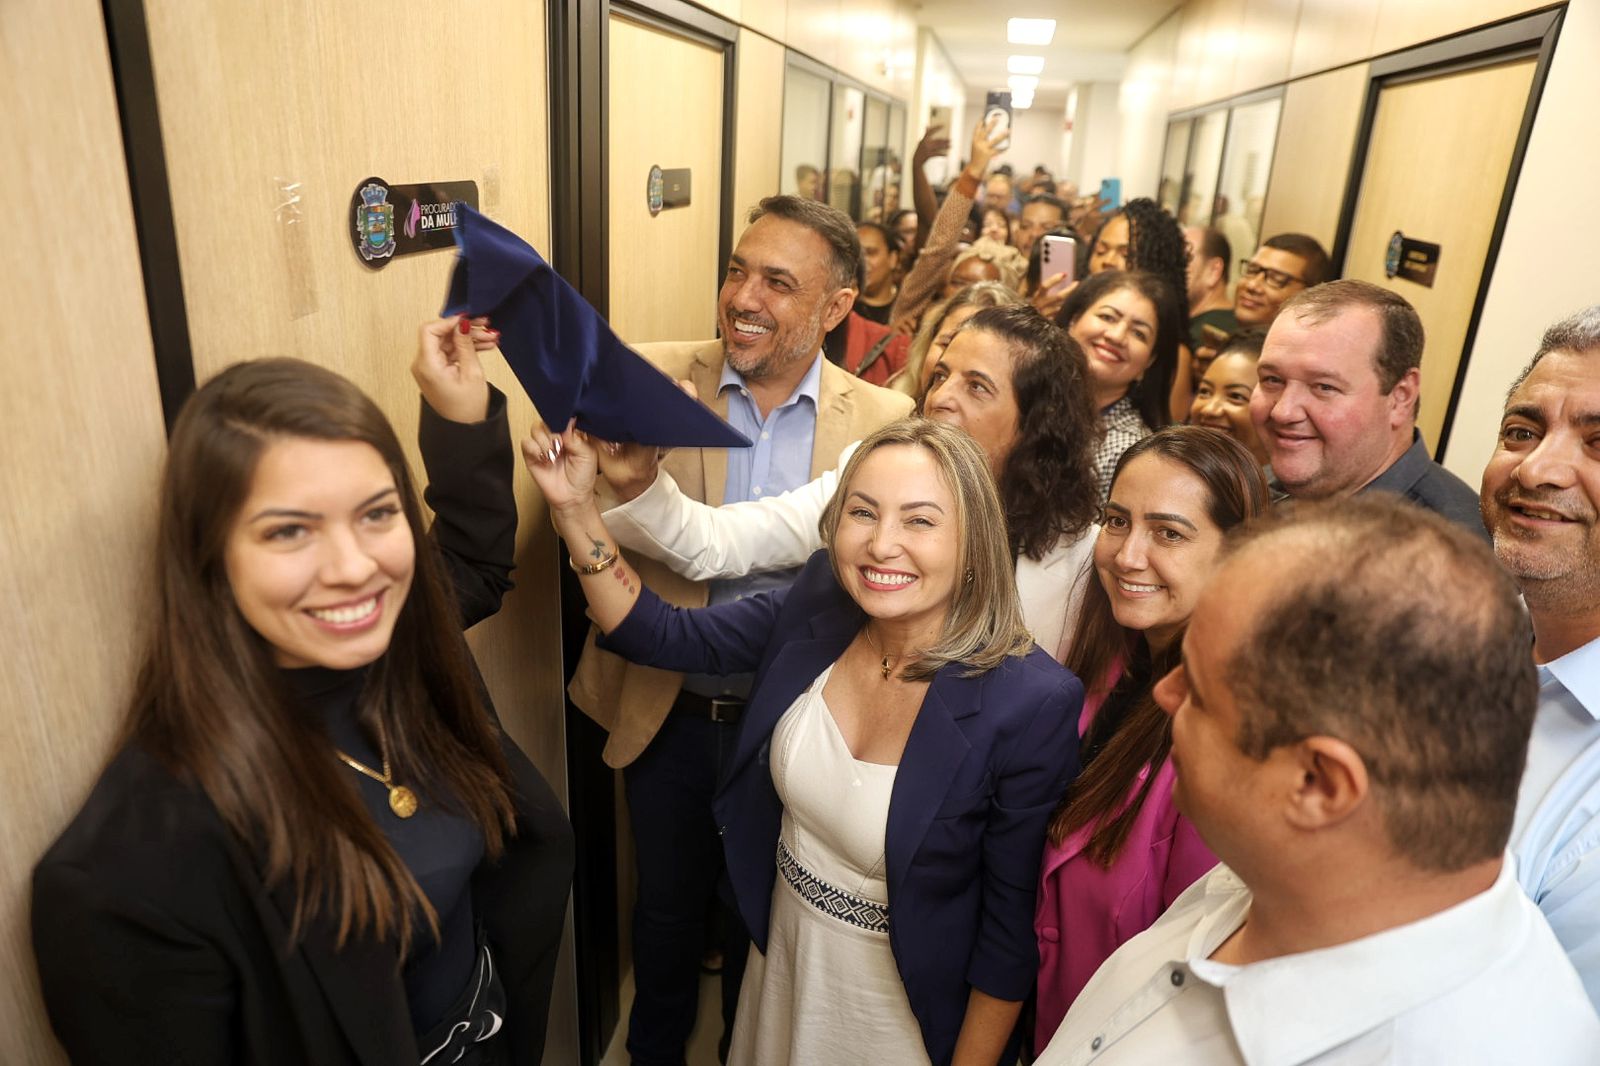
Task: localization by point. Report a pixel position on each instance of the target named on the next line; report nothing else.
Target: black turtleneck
(441, 848)
(1138, 677)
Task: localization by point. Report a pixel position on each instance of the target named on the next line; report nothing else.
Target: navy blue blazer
(988, 759)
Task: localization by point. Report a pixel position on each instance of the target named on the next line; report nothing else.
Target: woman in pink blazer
(1118, 852)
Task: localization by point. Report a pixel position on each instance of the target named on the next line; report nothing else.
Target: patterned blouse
(1120, 428)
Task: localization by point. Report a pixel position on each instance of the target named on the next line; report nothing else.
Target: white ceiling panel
(1091, 41)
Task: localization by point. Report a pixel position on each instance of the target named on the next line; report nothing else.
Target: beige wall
(80, 421)
(1546, 266)
(1211, 50)
(938, 84)
(252, 100)
(1145, 99)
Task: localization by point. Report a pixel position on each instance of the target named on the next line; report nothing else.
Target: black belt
(712, 708)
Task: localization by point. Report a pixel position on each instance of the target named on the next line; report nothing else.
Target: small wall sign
(1411, 259)
(675, 188)
(394, 220)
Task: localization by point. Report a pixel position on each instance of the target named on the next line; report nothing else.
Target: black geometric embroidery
(830, 899)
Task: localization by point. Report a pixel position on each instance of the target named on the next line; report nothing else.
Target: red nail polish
(466, 326)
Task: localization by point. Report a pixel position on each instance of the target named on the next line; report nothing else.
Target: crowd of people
(1090, 668)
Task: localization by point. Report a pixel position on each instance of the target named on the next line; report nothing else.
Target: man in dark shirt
(1336, 402)
(1209, 305)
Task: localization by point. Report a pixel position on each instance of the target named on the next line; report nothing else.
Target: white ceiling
(1091, 42)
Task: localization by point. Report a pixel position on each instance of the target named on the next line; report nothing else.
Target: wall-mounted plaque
(1411, 259)
(394, 220)
(675, 187)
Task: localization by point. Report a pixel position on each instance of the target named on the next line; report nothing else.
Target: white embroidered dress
(827, 990)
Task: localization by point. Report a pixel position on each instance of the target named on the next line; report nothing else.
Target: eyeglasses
(1276, 279)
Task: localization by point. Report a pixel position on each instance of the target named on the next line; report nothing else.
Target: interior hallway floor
(707, 1025)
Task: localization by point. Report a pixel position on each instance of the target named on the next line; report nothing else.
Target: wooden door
(1437, 161)
(665, 109)
(272, 115)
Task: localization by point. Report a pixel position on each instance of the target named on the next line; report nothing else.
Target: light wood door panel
(1311, 161)
(1436, 167)
(272, 113)
(82, 440)
(665, 110)
(758, 140)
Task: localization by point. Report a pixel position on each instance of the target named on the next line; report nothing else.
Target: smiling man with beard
(1541, 502)
(791, 278)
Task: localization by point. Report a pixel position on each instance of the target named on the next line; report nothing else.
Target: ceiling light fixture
(1021, 103)
(1025, 64)
(1022, 84)
(1030, 31)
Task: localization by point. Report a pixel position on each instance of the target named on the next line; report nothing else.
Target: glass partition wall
(1216, 165)
(805, 132)
(842, 143)
(844, 157)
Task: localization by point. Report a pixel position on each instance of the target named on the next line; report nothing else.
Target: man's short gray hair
(1577, 333)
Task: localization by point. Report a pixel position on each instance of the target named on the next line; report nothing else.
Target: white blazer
(705, 543)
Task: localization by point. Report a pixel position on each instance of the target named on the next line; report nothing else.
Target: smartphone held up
(997, 106)
(1058, 255)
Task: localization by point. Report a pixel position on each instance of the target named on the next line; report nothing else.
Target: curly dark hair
(1149, 393)
(1156, 246)
(1048, 486)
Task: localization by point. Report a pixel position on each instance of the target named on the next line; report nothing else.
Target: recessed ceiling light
(1025, 64)
(1030, 31)
(1021, 103)
(1022, 84)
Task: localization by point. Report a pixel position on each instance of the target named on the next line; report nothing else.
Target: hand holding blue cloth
(566, 357)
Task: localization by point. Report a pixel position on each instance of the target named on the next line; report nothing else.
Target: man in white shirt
(1541, 503)
(1348, 729)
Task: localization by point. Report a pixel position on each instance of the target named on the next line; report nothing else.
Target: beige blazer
(631, 701)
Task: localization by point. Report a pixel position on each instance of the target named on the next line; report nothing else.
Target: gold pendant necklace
(402, 801)
(885, 664)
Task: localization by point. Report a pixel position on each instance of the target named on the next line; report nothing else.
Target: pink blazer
(1085, 911)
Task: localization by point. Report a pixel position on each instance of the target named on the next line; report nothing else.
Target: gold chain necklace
(885, 664)
(402, 801)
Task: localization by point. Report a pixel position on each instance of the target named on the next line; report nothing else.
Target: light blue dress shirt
(1556, 835)
(779, 460)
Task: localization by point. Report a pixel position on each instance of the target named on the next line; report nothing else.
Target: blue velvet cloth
(569, 362)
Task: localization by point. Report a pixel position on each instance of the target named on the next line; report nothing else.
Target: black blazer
(157, 941)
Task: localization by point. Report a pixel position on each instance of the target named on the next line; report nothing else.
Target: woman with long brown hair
(314, 843)
(1118, 852)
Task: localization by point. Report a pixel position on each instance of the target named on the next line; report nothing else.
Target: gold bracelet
(594, 568)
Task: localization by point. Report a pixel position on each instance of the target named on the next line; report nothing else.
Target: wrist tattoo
(622, 576)
(599, 551)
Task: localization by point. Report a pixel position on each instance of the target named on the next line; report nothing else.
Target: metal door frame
(578, 45)
(1525, 35)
